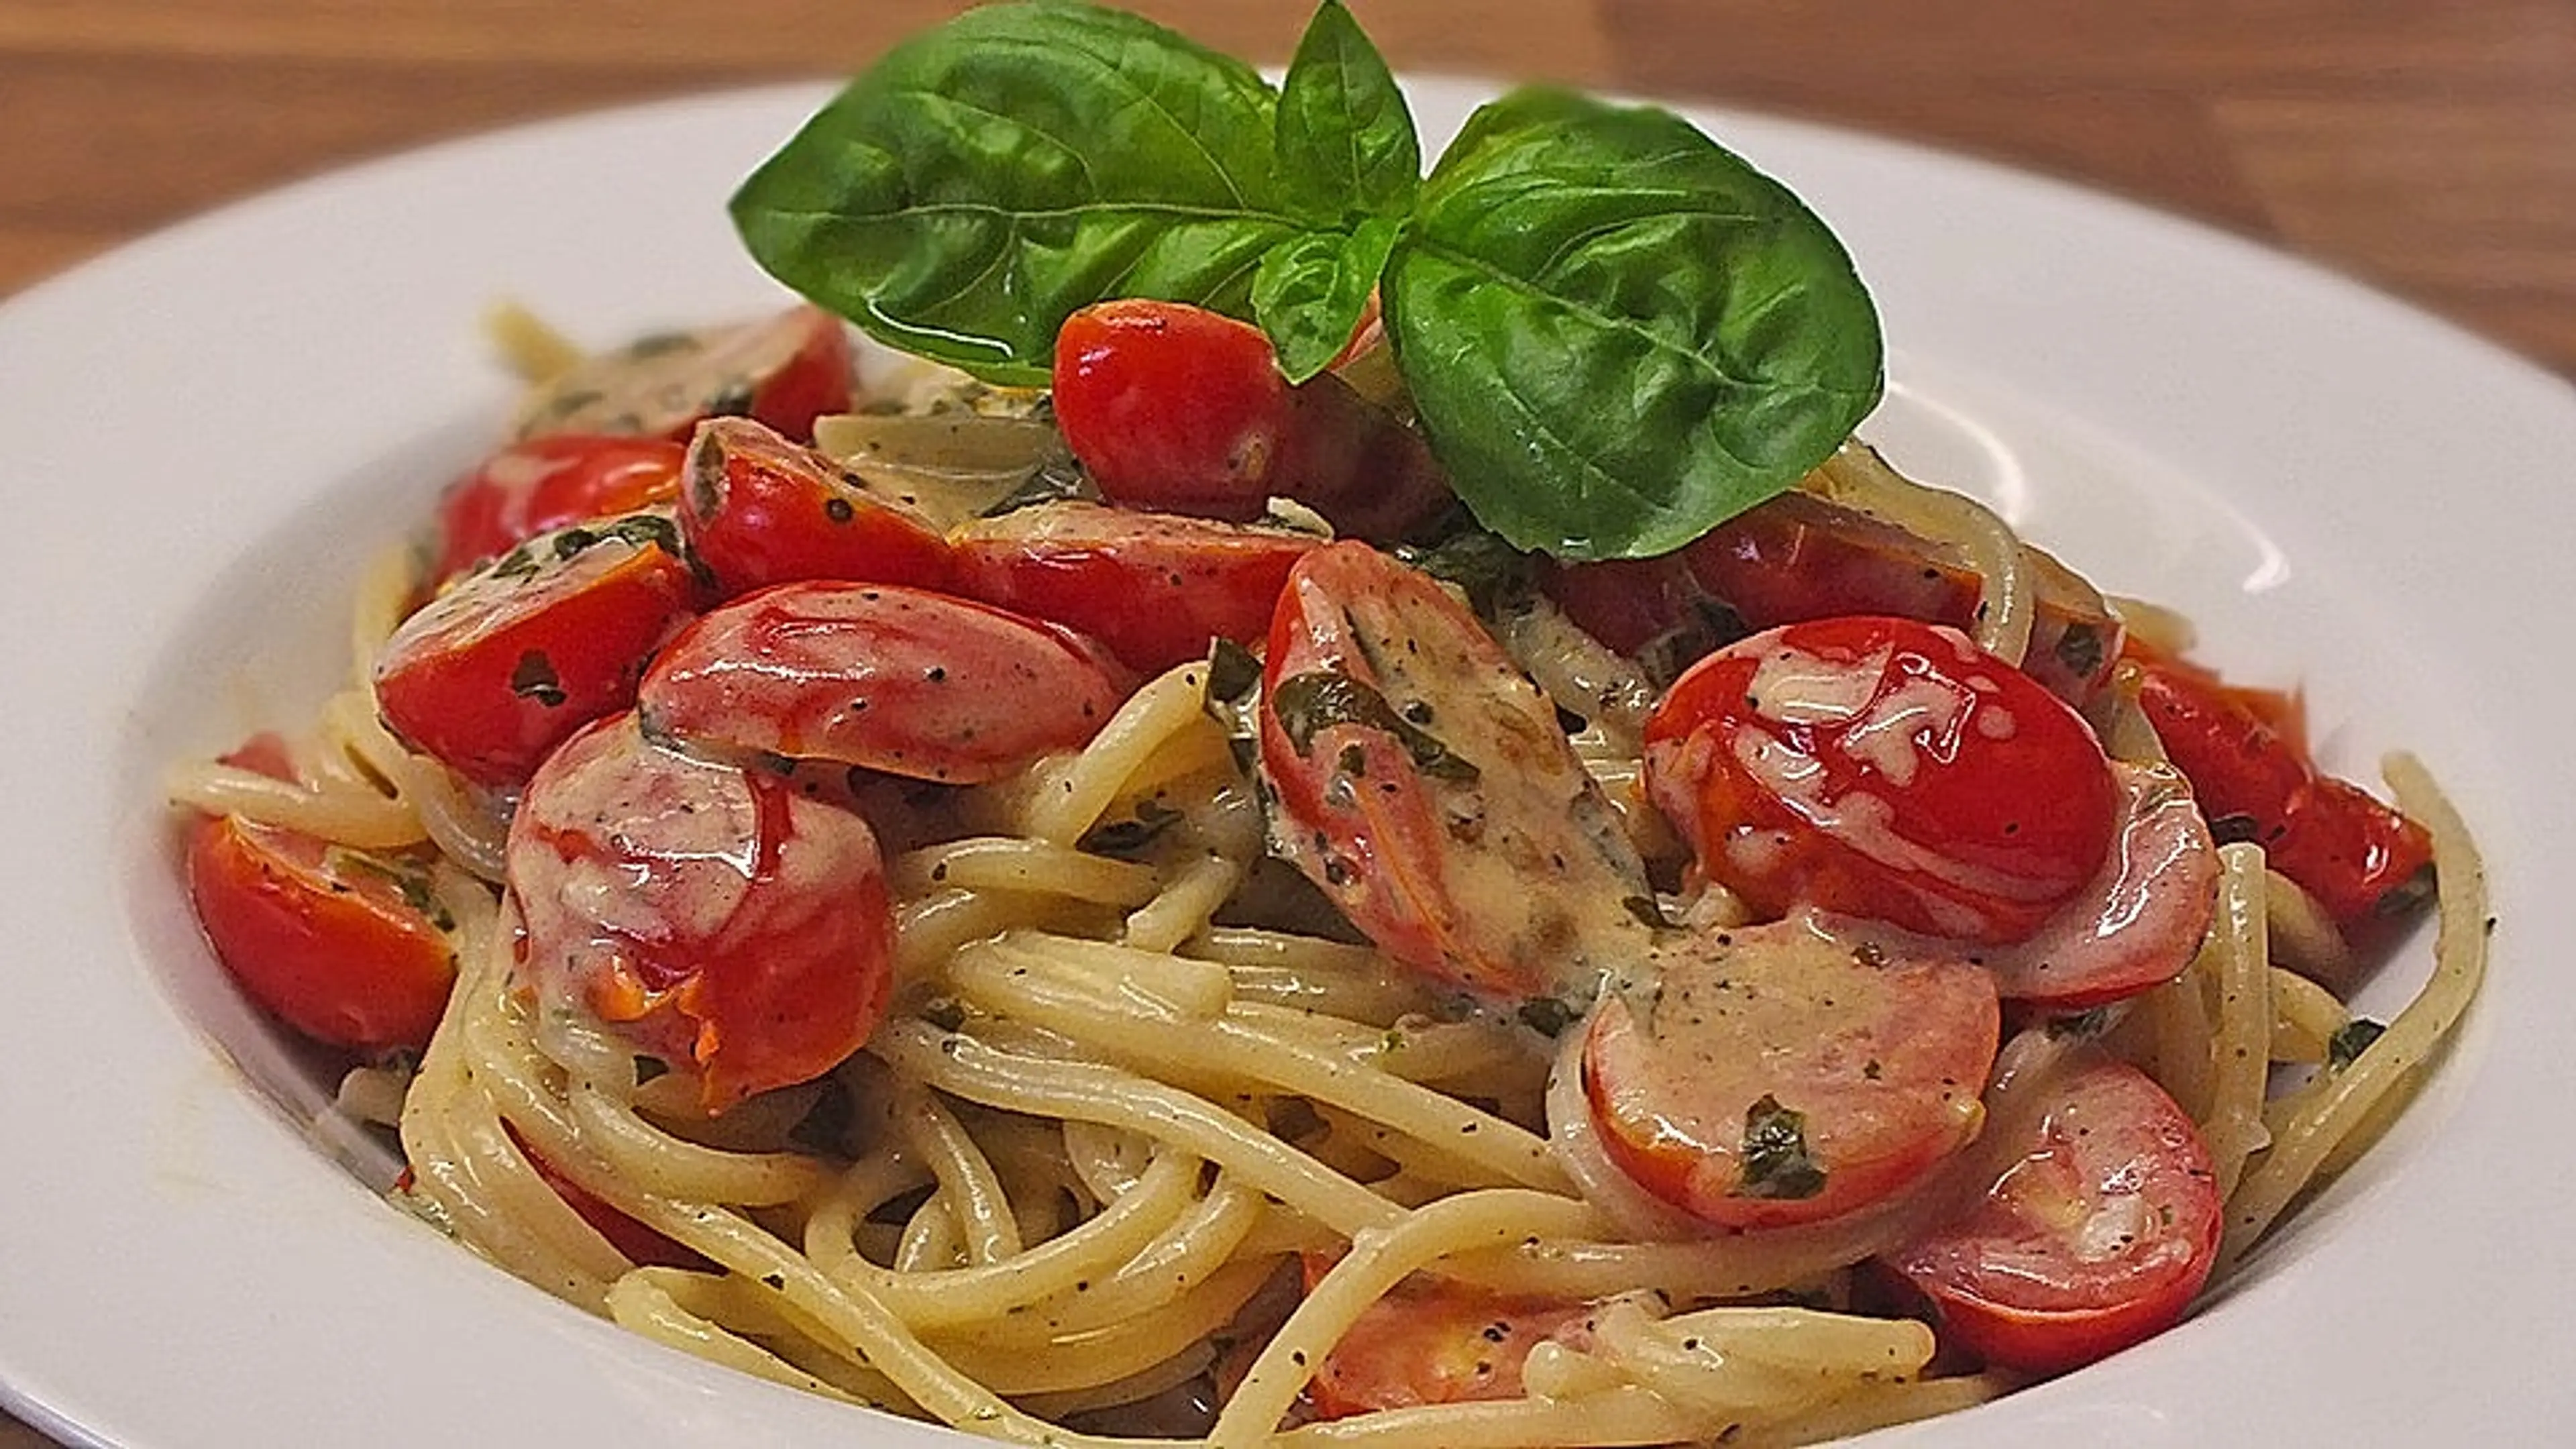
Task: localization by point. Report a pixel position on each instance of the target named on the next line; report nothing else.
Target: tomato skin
(1435, 1341)
(1175, 408)
(1879, 1054)
(892, 679)
(1155, 589)
(761, 509)
(784, 370)
(639, 1244)
(2095, 1235)
(494, 673)
(2364, 861)
(1418, 778)
(1797, 558)
(1883, 768)
(547, 483)
(336, 953)
(722, 921)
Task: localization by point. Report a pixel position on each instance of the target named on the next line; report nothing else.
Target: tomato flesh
(891, 679)
(1420, 780)
(761, 509)
(494, 673)
(2096, 1234)
(1885, 768)
(1773, 1075)
(547, 483)
(323, 939)
(1155, 589)
(728, 925)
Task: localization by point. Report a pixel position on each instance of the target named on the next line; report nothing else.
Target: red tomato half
(1883, 768)
(2366, 863)
(2097, 1233)
(725, 923)
(763, 510)
(1177, 408)
(892, 679)
(1155, 589)
(545, 483)
(1433, 1341)
(494, 673)
(1772, 1075)
(785, 371)
(336, 943)
(1425, 785)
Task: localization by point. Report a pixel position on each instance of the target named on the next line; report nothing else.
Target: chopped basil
(1319, 699)
(1124, 837)
(534, 678)
(1232, 672)
(2351, 1040)
(1776, 1164)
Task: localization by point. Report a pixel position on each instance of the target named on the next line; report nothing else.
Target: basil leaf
(988, 178)
(1617, 333)
(1313, 289)
(1776, 1160)
(1347, 148)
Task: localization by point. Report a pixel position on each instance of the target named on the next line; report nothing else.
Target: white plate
(210, 431)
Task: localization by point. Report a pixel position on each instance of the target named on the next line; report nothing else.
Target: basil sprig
(1616, 332)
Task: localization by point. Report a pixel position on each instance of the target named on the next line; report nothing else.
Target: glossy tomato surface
(1886, 768)
(762, 509)
(546, 483)
(2101, 1225)
(507, 663)
(341, 945)
(784, 370)
(1433, 1341)
(732, 928)
(1766, 1076)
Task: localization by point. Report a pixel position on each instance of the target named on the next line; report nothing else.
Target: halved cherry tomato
(896, 680)
(1797, 558)
(2363, 860)
(785, 371)
(1437, 1341)
(1883, 768)
(641, 1245)
(1787, 1073)
(763, 510)
(1177, 408)
(1156, 589)
(2140, 921)
(726, 924)
(1423, 783)
(339, 944)
(2095, 1234)
(545, 483)
(494, 673)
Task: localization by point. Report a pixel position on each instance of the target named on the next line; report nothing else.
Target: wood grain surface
(2427, 146)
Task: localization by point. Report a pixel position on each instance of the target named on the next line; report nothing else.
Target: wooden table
(2428, 146)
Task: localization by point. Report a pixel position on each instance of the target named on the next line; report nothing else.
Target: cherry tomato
(726, 924)
(763, 510)
(1435, 1341)
(1422, 782)
(893, 679)
(1883, 768)
(637, 1243)
(1772, 1075)
(2141, 920)
(339, 944)
(1155, 589)
(494, 673)
(1797, 558)
(1177, 408)
(545, 483)
(2096, 1233)
(2365, 862)
(785, 371)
